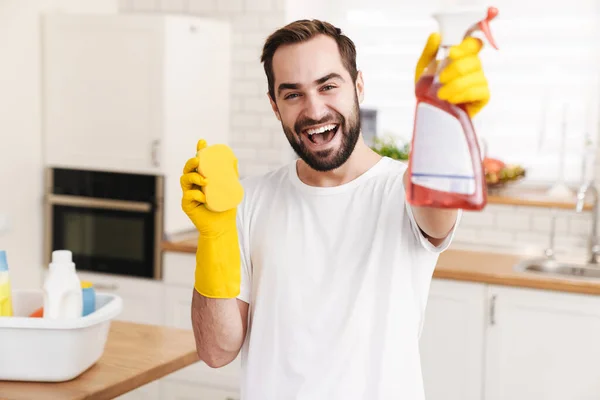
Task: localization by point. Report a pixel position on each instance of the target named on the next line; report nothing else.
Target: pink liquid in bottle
(426, 92)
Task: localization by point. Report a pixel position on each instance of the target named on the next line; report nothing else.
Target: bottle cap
(3, 263)
(62, 256)
(63, 260)
(86, 285)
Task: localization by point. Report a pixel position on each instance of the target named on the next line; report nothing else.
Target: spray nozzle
(484, 26)
(457, 24)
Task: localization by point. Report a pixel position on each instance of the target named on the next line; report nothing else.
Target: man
(321, 275)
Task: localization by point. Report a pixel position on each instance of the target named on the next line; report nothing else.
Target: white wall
(20, 131)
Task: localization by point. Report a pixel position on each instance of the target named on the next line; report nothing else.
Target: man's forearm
(219, 328)
(434, 222)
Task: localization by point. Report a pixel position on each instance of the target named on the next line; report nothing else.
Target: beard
(330, 159)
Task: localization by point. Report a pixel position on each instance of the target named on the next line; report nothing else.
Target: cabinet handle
(102, 286)
(155, 148)
(493, 310)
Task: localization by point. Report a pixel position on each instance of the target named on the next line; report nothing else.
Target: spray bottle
(445, 166)
(6, 308)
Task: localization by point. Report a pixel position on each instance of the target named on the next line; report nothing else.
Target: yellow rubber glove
(462, 79)
(218, 262)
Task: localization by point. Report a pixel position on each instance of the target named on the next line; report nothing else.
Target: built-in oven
(111, 222)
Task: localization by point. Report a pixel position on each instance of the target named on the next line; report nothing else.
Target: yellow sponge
(218, 164)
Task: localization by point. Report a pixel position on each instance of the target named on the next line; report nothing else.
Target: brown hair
(303, 30)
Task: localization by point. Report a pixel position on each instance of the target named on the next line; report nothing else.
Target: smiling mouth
(321, 135)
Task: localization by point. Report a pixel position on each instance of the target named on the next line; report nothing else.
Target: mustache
(304, 122)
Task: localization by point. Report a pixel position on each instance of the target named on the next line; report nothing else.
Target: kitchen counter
(134, 355)
(484, 266)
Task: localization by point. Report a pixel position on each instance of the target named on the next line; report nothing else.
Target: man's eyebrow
(328, 77)
(293, 86)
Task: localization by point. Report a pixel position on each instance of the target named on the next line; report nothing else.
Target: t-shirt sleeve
(423, 239)
(246, 266)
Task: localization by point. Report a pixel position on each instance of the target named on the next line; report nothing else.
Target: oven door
(108, 236)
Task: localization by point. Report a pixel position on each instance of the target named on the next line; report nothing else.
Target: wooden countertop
(498, 268)
(522, 195)
(135, 354)
(491, 267)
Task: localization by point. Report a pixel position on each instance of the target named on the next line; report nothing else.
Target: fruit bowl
(498, 174)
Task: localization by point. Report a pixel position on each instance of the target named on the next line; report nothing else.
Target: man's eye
(328, 87)
(291, 96)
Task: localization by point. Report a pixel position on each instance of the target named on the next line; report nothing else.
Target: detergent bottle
(62, 288)
(6, 309)
(446, 165)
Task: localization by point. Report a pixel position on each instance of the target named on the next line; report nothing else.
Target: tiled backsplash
(260, 144)
(525, 227)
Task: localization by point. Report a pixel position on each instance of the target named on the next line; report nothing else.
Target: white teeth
(321, 129)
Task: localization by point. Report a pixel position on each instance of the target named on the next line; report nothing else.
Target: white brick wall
(525, 227)
(257, 136)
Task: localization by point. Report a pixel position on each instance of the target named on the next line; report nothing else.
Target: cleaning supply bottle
(62, 288)
(89, 297)
(6, 308)
(445, 165)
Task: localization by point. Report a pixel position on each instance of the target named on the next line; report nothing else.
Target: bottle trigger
(484, 26)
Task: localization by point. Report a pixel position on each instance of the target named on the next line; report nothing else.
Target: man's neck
(361, 160)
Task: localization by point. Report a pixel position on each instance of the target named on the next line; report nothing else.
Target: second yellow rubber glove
(218, 264)
(462, 79)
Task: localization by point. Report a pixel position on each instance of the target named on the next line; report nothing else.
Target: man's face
(317, 102)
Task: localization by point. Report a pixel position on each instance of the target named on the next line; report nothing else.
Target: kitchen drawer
(143, 299)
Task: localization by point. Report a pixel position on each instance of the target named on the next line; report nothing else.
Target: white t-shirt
(337, 280)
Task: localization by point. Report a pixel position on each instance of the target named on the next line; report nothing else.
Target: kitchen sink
(553, 267)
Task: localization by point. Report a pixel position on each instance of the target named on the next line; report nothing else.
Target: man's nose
(315, 107)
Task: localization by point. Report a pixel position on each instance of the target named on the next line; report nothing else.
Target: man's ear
(360, 87)
(274, 107)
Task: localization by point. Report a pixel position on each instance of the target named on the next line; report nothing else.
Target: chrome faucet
(593, 245)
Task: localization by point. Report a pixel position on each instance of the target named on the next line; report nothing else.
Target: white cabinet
(134, 93)
(490, 342)
(143, 299)
(452, 341)
(122, 92)
(542, 345)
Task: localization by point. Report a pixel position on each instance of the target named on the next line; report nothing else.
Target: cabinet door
(178, 303)
(188, 391)
(102, 92)
(452, 341)
(143, 299)
(542, 345)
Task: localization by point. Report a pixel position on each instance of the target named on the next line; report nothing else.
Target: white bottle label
(440, 156)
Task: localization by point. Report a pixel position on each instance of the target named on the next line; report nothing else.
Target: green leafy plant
(388, 147)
